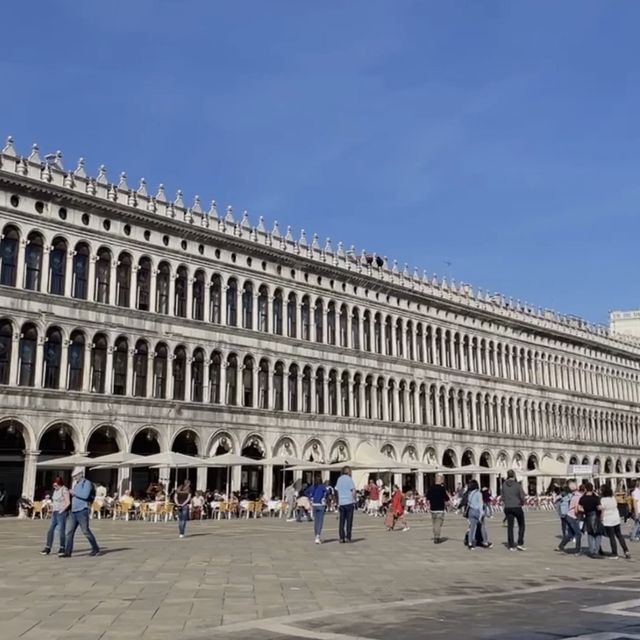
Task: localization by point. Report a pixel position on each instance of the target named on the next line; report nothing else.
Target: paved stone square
(266, 579)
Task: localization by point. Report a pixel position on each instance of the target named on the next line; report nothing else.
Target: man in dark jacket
(513, 499)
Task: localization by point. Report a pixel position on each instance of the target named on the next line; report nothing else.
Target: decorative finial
(197, 207)
(303, 239)
(122, 185)
(161, 196)
(9, 149)
(289, 236)
(213, 211)
(142, 189)
(80, 171)
(35, 154)
(244, 223)
(229, 216)
(315, 244)
(102, 175)
(178, 202)
(328, 249)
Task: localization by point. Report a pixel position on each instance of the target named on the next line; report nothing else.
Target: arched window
(103, 275)
(140, 364)
(306, 389)
(305, 315)
(399, 340)
(368, 397)
(232, 380)
(57, 266)
(98, 363)
(9, 256)
(263, 384)
(333, 392)
(28, 347)
(197, 376)
(319, 319)
(331, 323)
(293, 387)
(160, 371)
(377, 333)
(33, 261)
(232, 302)
(197, 311)
(412, 403)
(162, 288)
(344, 322)
(423, 418)
(143, 283)
(52, 356)
(391, 400)
(388, 338)
(215, 367)
(263, 309)
(292, 322)
(366, 330)
(247, 305)
(355, 329)
(277, 312)
(247, 382)
(6, 342)
(320, 390)
(123, 280)
(278, 386)
(215, 297)
(380, 399)
(76, 361)
(180, 295)
(120, 359)
(420, 342)
(409, 339)
(179, 369)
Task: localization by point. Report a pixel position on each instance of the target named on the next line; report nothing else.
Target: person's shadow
(107, 550)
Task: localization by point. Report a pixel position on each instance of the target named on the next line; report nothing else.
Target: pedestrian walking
(82, 495)
(290, 498)
(373, 504)
(635, 500)
(611, 521)
(590, 507)
(346, 490)
(513, 499)
(574, 525)
(561, 501)
(397, 509)
(476, 516)
(60, 503)
(318, 497)
(437, 499)
(182, 498)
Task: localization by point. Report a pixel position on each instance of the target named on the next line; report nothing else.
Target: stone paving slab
(225, 574)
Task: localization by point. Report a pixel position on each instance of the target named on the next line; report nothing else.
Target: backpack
(92, 493)
(563, 505)
(464, 504)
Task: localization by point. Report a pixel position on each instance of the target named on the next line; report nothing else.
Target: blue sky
(500, 137)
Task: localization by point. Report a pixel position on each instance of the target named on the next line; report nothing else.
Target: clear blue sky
(503, 137)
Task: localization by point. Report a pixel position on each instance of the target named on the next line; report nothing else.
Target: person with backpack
(82, 494)
(476, 516)
(572, 518)
(561, 503)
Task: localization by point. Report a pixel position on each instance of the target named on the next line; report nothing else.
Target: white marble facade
(127, 319)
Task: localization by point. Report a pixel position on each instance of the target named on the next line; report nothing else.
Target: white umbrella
(285, 461)
(166, 459)
(67, 462)
(231, 460)
(117, 459)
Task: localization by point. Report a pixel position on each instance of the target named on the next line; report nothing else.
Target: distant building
(625, 323)
(133, 322)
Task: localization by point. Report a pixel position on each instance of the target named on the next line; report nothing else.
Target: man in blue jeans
(346, 490)
(81, 496)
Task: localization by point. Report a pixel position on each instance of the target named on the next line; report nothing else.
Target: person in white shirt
(611, 521)
(635, 496)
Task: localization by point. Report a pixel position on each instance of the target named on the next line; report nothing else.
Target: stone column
(223, 383)
(131, 373)
(164, 477)
(298, 327)
(170, 379)
(39, 362)
(385, 406)
(86, 368)
(187, 379)
(206, 383)
(361, 395)
(254, 311)
(150, 375)
(189, 309)
(394, 351)
(404, 399)
(153, 287)
(15, 357)
(267, 481)
(432, 349)
(349, 341)
(339, 411)
(414, 344)
(68, 273)
(108, 381)
(91, 279)
(285, 390)
(113, 278)
(236, 478)
(313, 405)
(29, 473)
(21, 262)
(493, 484)
(420, 482)
(172, 293)
(202, 478)
(270, 324)
(124, 480)
(473, 424)
(325, 392)
(254, 385)
(64, 364)
(299, 390)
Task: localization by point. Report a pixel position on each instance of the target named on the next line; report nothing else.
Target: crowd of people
(582, 511)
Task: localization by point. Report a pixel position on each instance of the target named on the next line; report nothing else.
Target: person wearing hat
(82, 495)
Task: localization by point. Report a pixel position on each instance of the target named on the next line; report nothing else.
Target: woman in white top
(611, 521)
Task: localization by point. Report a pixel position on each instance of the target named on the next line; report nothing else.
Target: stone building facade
(135, 322)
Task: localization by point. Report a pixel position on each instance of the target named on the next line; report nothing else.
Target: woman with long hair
(396, 510)
(611, 521)
(590, 507)
(182, 498)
